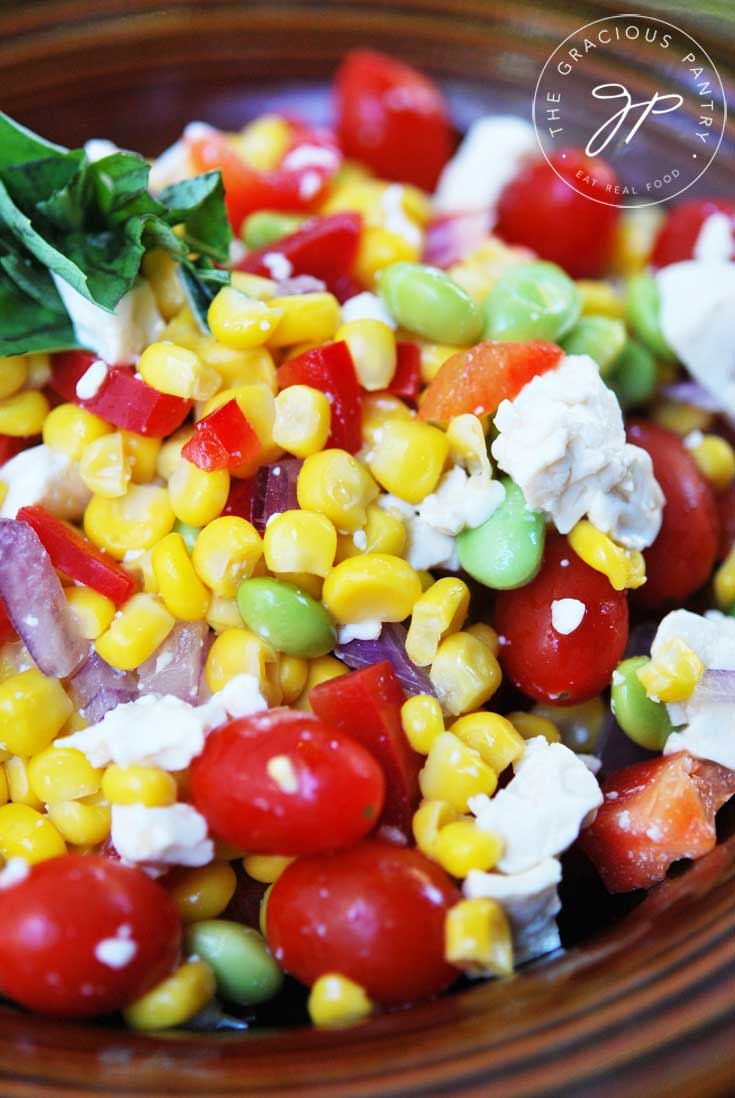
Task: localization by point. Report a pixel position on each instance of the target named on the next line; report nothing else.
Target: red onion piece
(391, 646)
(691, 392)
(176, 666)
(105, 700)
(300, 284)
(275, 491)
(449, 237)
(98, 687)
(717, 687)
(35, 601)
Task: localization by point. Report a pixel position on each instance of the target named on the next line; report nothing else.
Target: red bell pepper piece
(222, 440)
(6, 626)
(124, 400)
(10, 446)
(407, 378)
(330, 369)
(324, 247)
(367, 705)
(241, 498)
(72, 554)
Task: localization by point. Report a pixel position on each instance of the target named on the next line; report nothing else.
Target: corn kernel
(223, 614)
(241, 322)
(724, 582)
(197, 496)
(23, 413)
(623, 567)
(32, 710)
(162, 272)
(600, 299)
(92, 611)
(266, 868)
(237, 368)
(478, 938)
(135, 633)
(492, 736)
(334, 1000)
(138, 562)
(264, 142)
(225, 553)
(4, 788)
(257, 404)
(147, 785)
(302, 420)
(461, 846)
(455, 772)
(673, 673)
(530, 725)
(372, 346)
(384, 532)
(480, 270)
(377, 410)
(433, 357)
(264, 289)
(204, 892)
(579, 725)
(300, 541)
(238, 652)
(136, 521)
(321, 669)
(263, 913)
(634, 237)
(486, 634)
(312, 318)
(175, 1000)
(169, 456)
(178, 371)
(422, 721)
(439, 612)
(292, 675)
(464, 673)
(428, 820)
(62, 774)
(104, 467)
(81, 823)
(715, 457)
(467, 444)
(680, 418)
(336, 485)
(19, 783)
(141, 454)
(408, 458)
(13, 374)
(25, 833)
(183, 593)
(371, 586)
(379, 248)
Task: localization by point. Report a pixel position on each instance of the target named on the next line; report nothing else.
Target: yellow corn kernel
(321, 669)
(136, 521)
(578, 725)
(673, 673)
(23, 413)
(142, 456)
(377, 249)
(439, 612)
(715, 457)
(39, 370)
(300, 541)
(223, 614)
(79, 822)
(3, 492)
(238, 652)
(251, 367)
(266, 868)
(384, 532)
(464, 673)
(461, 846)
(162, 273)
(371, 586)
(433, 357)
(62, 774)
(264, 141)
(372, 346)
(493, 736)
(241, 322)
(724, 582)
(303, 419)
(428, 820)
(336, 485)
(182, 329)
(135, 633)
(306, 581)
(634, 237)
(178, 371)
(4, 788)
(408, 458)
(146, 785)
(623, 567)
(422, 721)
(335, 1000)
(680, 418)
(25, 833)
(197, 496)
(14, 657)
(257, 404)
(204, 892)
(264, 289)
(32, 710)
(138, 562)
(486, 634)
(529, 725)
(13, 374)
(169, 456)
(480, 270)
(19, 783)
(467, 444)
(600, 299)
(175, 1000)
(478, 938)
(292, 675)
(455, 772)
(104, 466)
(92, 611)
(183, 593)
(379, 409)
(225, 553)
(306, 318)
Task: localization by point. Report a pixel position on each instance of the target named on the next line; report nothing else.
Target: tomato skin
(654, 813)
(543, 212)
(374, 914)
(678, 235)
(550, 666)
(725, 503)
(52, 921)
(340, 786)
(683, 555)
(392, 118)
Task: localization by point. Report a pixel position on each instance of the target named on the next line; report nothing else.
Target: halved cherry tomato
(544, 212)
(478, 380)
(563, 669)
(678, 234)
(725, 502)
(10, 446)
(392, 118)
(286, 782)
(683, 555)
(324, 247)
(331, 369)
(374, 914)
(82, 935)
(654, 813)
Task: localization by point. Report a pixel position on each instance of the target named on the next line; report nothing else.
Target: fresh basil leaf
(120, 183)
(33, 280)
(18, 144)
(199, 204)
(28, 326)
(201, 285)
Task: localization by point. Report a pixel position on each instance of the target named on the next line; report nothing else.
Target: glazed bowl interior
(640, 1006)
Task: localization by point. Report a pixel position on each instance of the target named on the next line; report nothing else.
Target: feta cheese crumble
(715, 240)
(366, 306)
(120, 336)
(363, 630)
(461, 501)
(426, 547)
(492, 153)
(45, 476)
(91, 381)
(13, 872)
(116, 952)
(279, 267)
(174, 835)
(530, 900)
(566, 615)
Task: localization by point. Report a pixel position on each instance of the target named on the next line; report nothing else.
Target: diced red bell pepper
(223, 440)
(654, 813)
(6, 626)
(330, 369)
(78, 558)
(324, 247)
(124, 400)
(367, 704)
(406, 381)
(241, 498)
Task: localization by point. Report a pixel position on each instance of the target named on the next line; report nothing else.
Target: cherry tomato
(543, 212)
(654, 813)
(551, 666)
(81, 935)
(286, 782)
(392, 118)
(725, 502)
(678, 234)
(374, 914)
(683, 555)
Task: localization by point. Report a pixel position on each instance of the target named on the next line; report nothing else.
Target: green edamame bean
(188, 533)
(643, 310)
(243, 966)
(266, 226)
(428, 302)
(532, 301)
(288, 618)
(600, 337)
(644, 721)
(633, 375)
(506, 550)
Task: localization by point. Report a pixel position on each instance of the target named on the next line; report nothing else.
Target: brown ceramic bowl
(642, 1009)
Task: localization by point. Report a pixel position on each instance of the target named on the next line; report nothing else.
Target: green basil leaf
(18, 144)
(201, 285)
(199, 204)
(28, 327)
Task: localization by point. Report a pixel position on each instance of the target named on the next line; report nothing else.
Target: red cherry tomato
(678, 234)
(392, 118)
(286, 782)
(554, 667)
(374, 914)
(543, 212)
(725, 502)
(683, 555)
(82, 935)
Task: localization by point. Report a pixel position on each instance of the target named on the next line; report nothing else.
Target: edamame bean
(633, 375)
(506, 550)
(532, 301)
(600, 337)
(429, 303)
(239, 957)
(643, 310)
(266, 226)
(645, 722)
(188, 533)
(288, 618)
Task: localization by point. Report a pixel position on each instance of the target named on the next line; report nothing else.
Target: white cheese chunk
(461, 501)
(531, 902)
(715, 240)
(540, 812)
(395, 219)
(97, 148)
(364, 630)
(13, 872)
(117, 337)
(45, 476)
(566, 615)
(366, 306)
(492, 153)
(279, 267)
(174, 835)
(90, 382)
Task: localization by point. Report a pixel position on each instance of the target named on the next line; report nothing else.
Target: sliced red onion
(691, 392)
(35, 602)
(716, 687)
(97, 687)
(105, 700)
(449, 237)
(640, 639)
(175, 668)
(275, 491)
(615, 750)
(390, 646)
(300, 284)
